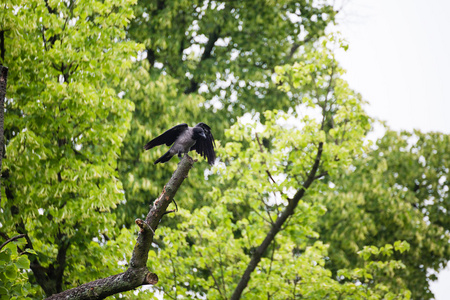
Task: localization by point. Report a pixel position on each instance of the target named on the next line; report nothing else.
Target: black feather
(168, 137)
(206, 147)
(166, 157)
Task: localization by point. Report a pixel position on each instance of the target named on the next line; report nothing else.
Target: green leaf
(23, 263)
(11, 272)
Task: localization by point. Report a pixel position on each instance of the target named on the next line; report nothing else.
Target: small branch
(12, 240)
(321, 175)
(268, 221)
(262, 151)
(174, 276)
(210, 270)
(43, 38)
(221, 271)
(271, 259)
(294, 48)
(286, 224)
(324, 108)
(270, 178)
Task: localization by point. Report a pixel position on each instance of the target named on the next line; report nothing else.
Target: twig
(262, 151)
(174, 276)
(321, 175)
(221, 270)
(209, 268)
(12, 240)
(271, 259)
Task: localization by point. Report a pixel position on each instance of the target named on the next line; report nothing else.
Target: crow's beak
(202, 134)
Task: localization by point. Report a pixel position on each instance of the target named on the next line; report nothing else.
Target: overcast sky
(399, 60)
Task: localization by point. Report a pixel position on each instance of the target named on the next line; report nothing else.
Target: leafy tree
(206, 61)
(262, 221)
(64, 128)
(398, 191)
(250, 226)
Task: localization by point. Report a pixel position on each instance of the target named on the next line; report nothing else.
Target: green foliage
(13, 277)
(210, 47)
(231, 63)
(264, 164)
(397, 191)
(64, 127)
(368, 275)
(204, 64)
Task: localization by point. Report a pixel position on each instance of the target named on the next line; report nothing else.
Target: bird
(184, 139)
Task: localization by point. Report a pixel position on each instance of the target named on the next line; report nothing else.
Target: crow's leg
(180, 156)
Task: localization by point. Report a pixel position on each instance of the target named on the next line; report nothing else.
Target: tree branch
(212, 39)
(211, 271)
(288, 211)
(2, 46)
(3, 81)
(137, 273)
(12, 240)
(41, 273)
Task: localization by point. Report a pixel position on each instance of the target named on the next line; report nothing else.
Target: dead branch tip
(151, 278)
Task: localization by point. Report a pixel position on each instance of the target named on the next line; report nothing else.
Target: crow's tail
(166, 157)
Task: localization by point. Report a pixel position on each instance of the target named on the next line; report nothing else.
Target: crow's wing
(167, 137)
(206, 147)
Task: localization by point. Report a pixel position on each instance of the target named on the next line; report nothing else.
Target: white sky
(399, 60)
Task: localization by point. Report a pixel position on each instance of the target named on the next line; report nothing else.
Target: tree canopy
(300, 204)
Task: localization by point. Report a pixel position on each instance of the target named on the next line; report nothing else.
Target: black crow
(185, 139)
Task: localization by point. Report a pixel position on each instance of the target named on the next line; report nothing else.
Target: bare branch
(137, 273)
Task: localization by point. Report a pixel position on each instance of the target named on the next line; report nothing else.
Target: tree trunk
(3, 80)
